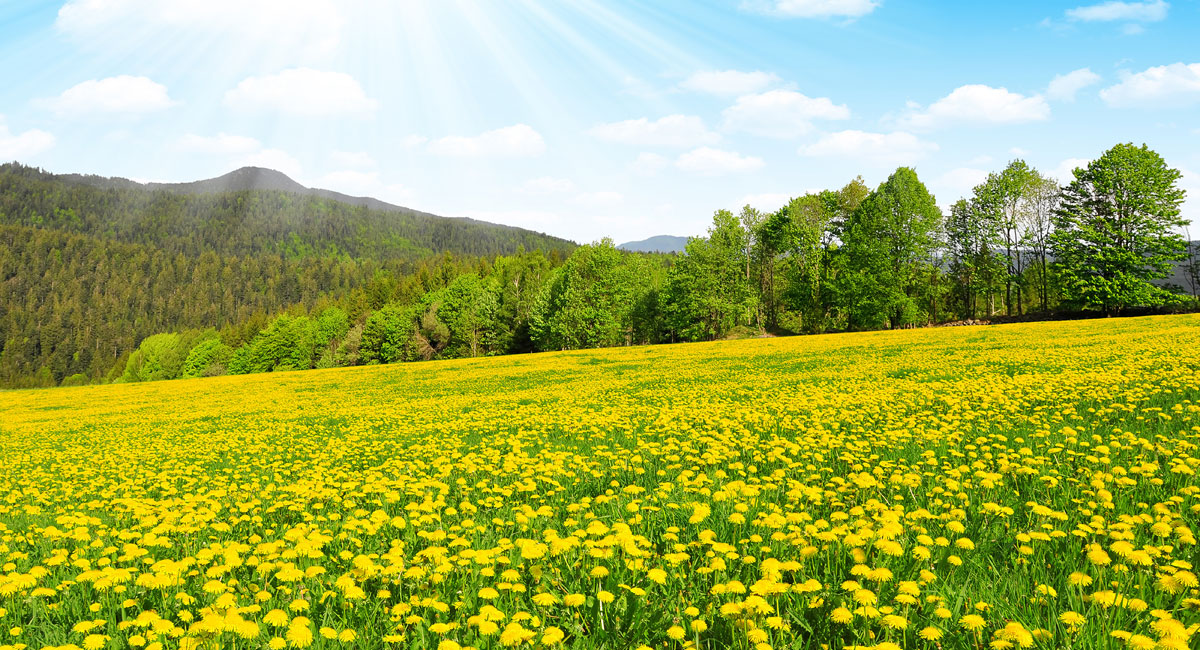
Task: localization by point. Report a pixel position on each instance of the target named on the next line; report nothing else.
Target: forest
(122, 285)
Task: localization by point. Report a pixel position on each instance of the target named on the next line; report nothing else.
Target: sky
(587, 119)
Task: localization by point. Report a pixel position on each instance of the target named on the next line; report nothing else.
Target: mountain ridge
(252, 178)
(657, 244)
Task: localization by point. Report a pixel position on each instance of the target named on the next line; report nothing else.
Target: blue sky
(587, 119)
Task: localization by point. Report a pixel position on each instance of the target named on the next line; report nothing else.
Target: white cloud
(124, 94)
(306, 27)
(545, 185)
(22, 146)
(518, 140)
(814, 8)
(598, 199)
(729, 82)
(276, 159)
(979, 104)
(669, 131)
(1174, 85)
(780, 113)
(1064, 171)
(1064, 86)
(302, 91)
(896, 148)
(352, 159)
(1112, 11)
(648, 164)
(222, 143)
(1019, 152)
(707, 161)
(361, 183)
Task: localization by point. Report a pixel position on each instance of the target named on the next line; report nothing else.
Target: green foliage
(469, 313)
(288, 343)
(888, 246)
(206, 358)
(385, 335)
(158, 357)
(1115, 230)
(589, 301)
(708, 290)
(77, 379)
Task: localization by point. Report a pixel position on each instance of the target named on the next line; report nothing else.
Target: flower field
(980, 487)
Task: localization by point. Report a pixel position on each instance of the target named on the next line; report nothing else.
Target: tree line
(852, 258)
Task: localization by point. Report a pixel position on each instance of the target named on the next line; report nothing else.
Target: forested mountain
(91, 266)
(230, 216)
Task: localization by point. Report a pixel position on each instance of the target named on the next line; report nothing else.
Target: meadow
(1019, 486)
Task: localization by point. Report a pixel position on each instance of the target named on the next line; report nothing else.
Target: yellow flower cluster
(1004, 487)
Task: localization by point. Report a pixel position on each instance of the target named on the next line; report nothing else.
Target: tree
(888, 246)
(1005, 196)
(469, 312)
(707, 292)
(587, 302)
(384, 335)
(1043, 199)
(1114, 230)
(805, 225)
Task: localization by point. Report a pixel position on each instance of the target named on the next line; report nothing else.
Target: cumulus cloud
(222, 143)
(301, 91)
(518, 140)
(24, 145)
(121, 95)
(780, 113)
(813, 8)
(1174, 85)
(978, 104)
(546, 185)
(707, 161)
(669, 131)
(1120, 11)
(729, 82)
(1063, 87)
(308, 27)
(896, 148)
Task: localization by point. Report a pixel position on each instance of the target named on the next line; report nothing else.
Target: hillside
(248, 211)
(91, 266)
(656, 244)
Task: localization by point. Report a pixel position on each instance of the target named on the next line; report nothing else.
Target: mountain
(247, 212)
(243, 180)
(657, 244)
(91, 266)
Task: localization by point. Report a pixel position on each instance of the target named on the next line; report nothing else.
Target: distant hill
(248, 211)
(657, 244)
(242, 180)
